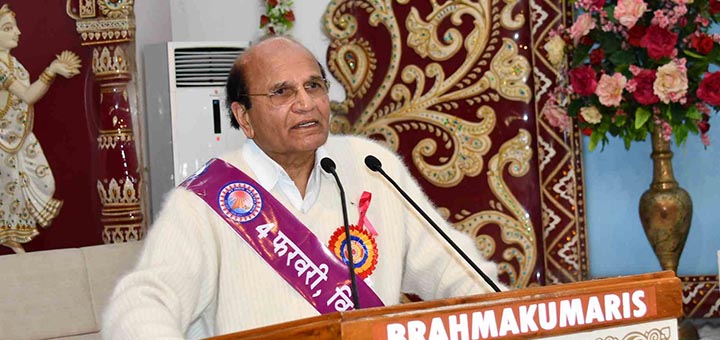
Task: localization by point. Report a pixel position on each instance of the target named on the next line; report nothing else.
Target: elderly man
(257, 237)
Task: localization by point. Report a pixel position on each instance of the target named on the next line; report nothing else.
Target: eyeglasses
(287, 94)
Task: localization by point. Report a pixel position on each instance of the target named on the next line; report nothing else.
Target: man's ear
(242, 117)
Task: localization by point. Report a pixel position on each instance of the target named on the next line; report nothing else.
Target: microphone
(328, 166)
(374, 164)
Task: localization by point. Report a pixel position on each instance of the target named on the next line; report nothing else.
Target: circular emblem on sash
(240, 202)
(364, 249)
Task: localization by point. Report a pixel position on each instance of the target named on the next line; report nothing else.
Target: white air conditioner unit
(187, 122)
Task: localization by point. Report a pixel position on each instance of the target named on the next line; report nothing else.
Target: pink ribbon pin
(363, 206)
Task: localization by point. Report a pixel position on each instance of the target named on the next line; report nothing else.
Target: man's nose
(303, 100)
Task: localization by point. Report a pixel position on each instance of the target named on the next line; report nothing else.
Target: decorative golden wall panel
(455, 87)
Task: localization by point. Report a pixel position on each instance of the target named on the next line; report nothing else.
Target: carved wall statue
(68, 156)
(28, 185)
(455, 87)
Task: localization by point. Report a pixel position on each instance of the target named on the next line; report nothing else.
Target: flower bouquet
(634, 66)
(278, 18)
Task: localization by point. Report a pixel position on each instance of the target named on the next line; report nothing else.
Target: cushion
(45, 294)
(105, 265)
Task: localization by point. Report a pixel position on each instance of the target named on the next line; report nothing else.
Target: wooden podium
(625, 308)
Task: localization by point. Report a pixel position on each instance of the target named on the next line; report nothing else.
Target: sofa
(60, 294)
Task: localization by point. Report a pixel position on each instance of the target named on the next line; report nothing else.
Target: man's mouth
(306, 124)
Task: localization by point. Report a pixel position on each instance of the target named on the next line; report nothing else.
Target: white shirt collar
(270, 174)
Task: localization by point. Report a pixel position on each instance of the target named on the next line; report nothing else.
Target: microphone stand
(374, 164)
(328, 165)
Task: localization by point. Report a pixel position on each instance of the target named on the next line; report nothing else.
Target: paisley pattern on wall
(455, 87)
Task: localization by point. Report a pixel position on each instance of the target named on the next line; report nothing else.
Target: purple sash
(279, 237)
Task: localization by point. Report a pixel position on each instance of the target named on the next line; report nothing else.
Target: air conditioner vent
(204, 67)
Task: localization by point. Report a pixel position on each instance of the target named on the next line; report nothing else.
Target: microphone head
(327, 165)
(373, 163)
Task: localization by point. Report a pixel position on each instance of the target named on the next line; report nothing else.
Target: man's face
(294, 128)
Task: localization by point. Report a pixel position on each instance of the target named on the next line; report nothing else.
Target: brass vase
(665, 208)
(666, 213)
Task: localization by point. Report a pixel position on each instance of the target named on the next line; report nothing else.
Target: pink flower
(703, 21)
(705, 139)
(628, 12)
(704, 109)
(555, 115)
(610, 88)
(671, 82)
(666, 129)
(581, 27)
(679, 11)
(660, 19)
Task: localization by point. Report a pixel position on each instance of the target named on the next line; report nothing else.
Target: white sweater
(196, 278)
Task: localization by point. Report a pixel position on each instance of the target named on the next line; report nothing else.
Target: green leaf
(605, 123)
(620, 121)
(693, 54)
(714, 55)
(627, 139)
(574, 108)
(681, 134)
(692, 126)
(697, 69)
(622, 57)
(580, 54)
(642, 115)
(610, 10)
(693, 113)
(611, 42)
(594, 139)
(669, 114)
